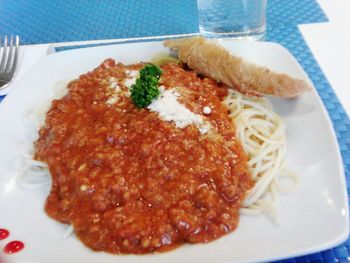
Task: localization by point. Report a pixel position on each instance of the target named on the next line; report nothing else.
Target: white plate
(313, 218)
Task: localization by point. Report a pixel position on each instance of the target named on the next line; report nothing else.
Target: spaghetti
(262, 135)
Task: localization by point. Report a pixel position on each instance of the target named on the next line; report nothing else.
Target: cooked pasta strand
(262, 135)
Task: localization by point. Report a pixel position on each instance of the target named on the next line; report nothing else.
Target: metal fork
(8, 62)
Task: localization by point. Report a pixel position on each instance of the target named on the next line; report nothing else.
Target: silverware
(8, 61)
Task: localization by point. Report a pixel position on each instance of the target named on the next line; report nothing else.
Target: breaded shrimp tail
(212, 60)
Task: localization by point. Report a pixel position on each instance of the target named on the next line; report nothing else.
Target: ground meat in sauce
(130, 182)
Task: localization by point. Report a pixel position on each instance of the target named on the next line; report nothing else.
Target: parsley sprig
(146, 87)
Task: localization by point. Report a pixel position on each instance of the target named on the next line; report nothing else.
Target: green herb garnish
(146, 87)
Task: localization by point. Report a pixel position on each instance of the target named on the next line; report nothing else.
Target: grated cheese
(112, 99)
(113, 84)
(129, 82)
(206, 110)
(203, 129)
(169, 109)
(132, 74)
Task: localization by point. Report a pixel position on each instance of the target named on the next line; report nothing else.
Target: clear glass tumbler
(232, 18)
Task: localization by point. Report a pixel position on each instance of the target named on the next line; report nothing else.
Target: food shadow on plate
(295, 107)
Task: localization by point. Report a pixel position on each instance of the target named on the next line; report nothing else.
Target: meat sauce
(130, 182)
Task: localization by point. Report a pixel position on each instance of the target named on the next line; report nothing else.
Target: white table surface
(330, 45)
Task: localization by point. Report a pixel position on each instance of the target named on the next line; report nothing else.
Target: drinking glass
(232, 18)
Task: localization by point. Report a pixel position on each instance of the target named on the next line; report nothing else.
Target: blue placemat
(47, 21)
(61, 21)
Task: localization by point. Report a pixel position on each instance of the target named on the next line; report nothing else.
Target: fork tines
(9, 54)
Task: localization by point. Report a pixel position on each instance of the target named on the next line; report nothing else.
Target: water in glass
(232, 18)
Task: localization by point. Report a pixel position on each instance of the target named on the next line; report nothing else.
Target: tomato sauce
(130, 182)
